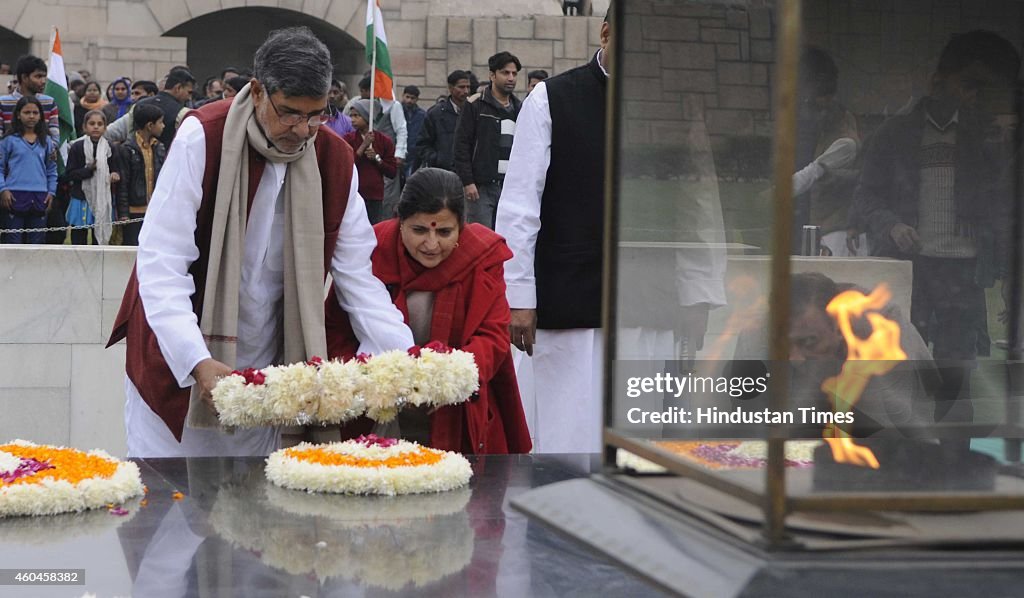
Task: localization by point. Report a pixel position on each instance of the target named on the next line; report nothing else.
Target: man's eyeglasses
(291, 119)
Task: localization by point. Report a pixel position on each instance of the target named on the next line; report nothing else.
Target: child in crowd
(92, 166)
(375, 159)
(142, 156)
(28, 172)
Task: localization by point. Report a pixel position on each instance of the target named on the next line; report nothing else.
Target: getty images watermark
(730, 399)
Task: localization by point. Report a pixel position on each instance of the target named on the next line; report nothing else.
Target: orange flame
(866, 357)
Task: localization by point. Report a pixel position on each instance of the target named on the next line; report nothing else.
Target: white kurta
(166, 250)
(561, 385)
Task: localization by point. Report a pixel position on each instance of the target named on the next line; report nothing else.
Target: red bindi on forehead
(433, 225)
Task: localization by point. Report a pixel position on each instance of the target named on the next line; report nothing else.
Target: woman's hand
(49, 201)
(6, 200)
(115, 178)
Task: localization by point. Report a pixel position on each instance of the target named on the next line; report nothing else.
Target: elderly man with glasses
(256, 204)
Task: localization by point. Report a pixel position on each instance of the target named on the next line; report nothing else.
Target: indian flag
(377, 54)
(57, 88)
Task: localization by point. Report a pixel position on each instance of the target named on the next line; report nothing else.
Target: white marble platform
(57, 382)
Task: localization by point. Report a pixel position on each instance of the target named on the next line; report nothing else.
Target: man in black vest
(551, 213)
(483, 139)
(177, 91)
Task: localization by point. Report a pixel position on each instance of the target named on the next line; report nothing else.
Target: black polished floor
(235, 534)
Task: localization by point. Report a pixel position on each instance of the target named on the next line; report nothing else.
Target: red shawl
(471, 314)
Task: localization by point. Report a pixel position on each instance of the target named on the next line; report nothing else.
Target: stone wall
(692, 64)
(552, 43)
(112, 56)
(886, 50)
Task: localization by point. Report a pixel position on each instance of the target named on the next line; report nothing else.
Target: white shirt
(167, 248)
(699, 273)
(401, 130)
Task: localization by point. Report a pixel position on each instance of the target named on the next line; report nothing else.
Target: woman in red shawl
(447, 278)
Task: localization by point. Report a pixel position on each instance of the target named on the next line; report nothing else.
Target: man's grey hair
(294, 61)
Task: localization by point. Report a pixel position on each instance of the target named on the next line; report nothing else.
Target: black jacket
(479, 143)
(434, 148)
(76, 171)
(132, 190)
(888, 191)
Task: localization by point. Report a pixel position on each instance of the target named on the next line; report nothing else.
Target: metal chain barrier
(9, 231)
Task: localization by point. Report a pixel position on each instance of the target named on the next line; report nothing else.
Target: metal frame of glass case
(777, 505)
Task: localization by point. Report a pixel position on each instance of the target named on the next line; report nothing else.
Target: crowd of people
(130, 154)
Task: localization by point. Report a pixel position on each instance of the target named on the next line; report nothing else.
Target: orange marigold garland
(46, 480)
(368, 465)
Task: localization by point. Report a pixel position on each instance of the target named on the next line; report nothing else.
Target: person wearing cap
(375, 159)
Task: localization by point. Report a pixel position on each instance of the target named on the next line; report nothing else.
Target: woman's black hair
(237, 83)
(17, 128)
(430, 190)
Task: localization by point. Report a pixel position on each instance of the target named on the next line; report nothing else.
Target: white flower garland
(334, 392)
(450, 472)
(50, 496)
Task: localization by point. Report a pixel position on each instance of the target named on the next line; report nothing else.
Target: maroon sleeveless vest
(145, 364)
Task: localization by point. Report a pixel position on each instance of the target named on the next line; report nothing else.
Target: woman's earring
(456, 244)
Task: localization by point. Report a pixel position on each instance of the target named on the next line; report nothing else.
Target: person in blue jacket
(28, 173)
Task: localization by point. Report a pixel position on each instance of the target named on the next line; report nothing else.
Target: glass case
(812, 310)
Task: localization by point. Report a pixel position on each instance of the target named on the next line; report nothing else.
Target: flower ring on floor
(331, 392)
(368, 465)
(37, 479)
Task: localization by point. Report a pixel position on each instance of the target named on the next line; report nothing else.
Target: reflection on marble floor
(235, 534)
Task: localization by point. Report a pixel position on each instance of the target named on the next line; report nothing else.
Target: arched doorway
(12, 46)
(230, 38)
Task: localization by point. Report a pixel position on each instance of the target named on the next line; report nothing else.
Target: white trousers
(148, 435)
(561, 390)
(561, 385)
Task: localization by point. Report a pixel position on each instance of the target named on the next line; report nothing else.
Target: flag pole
(373, 64)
